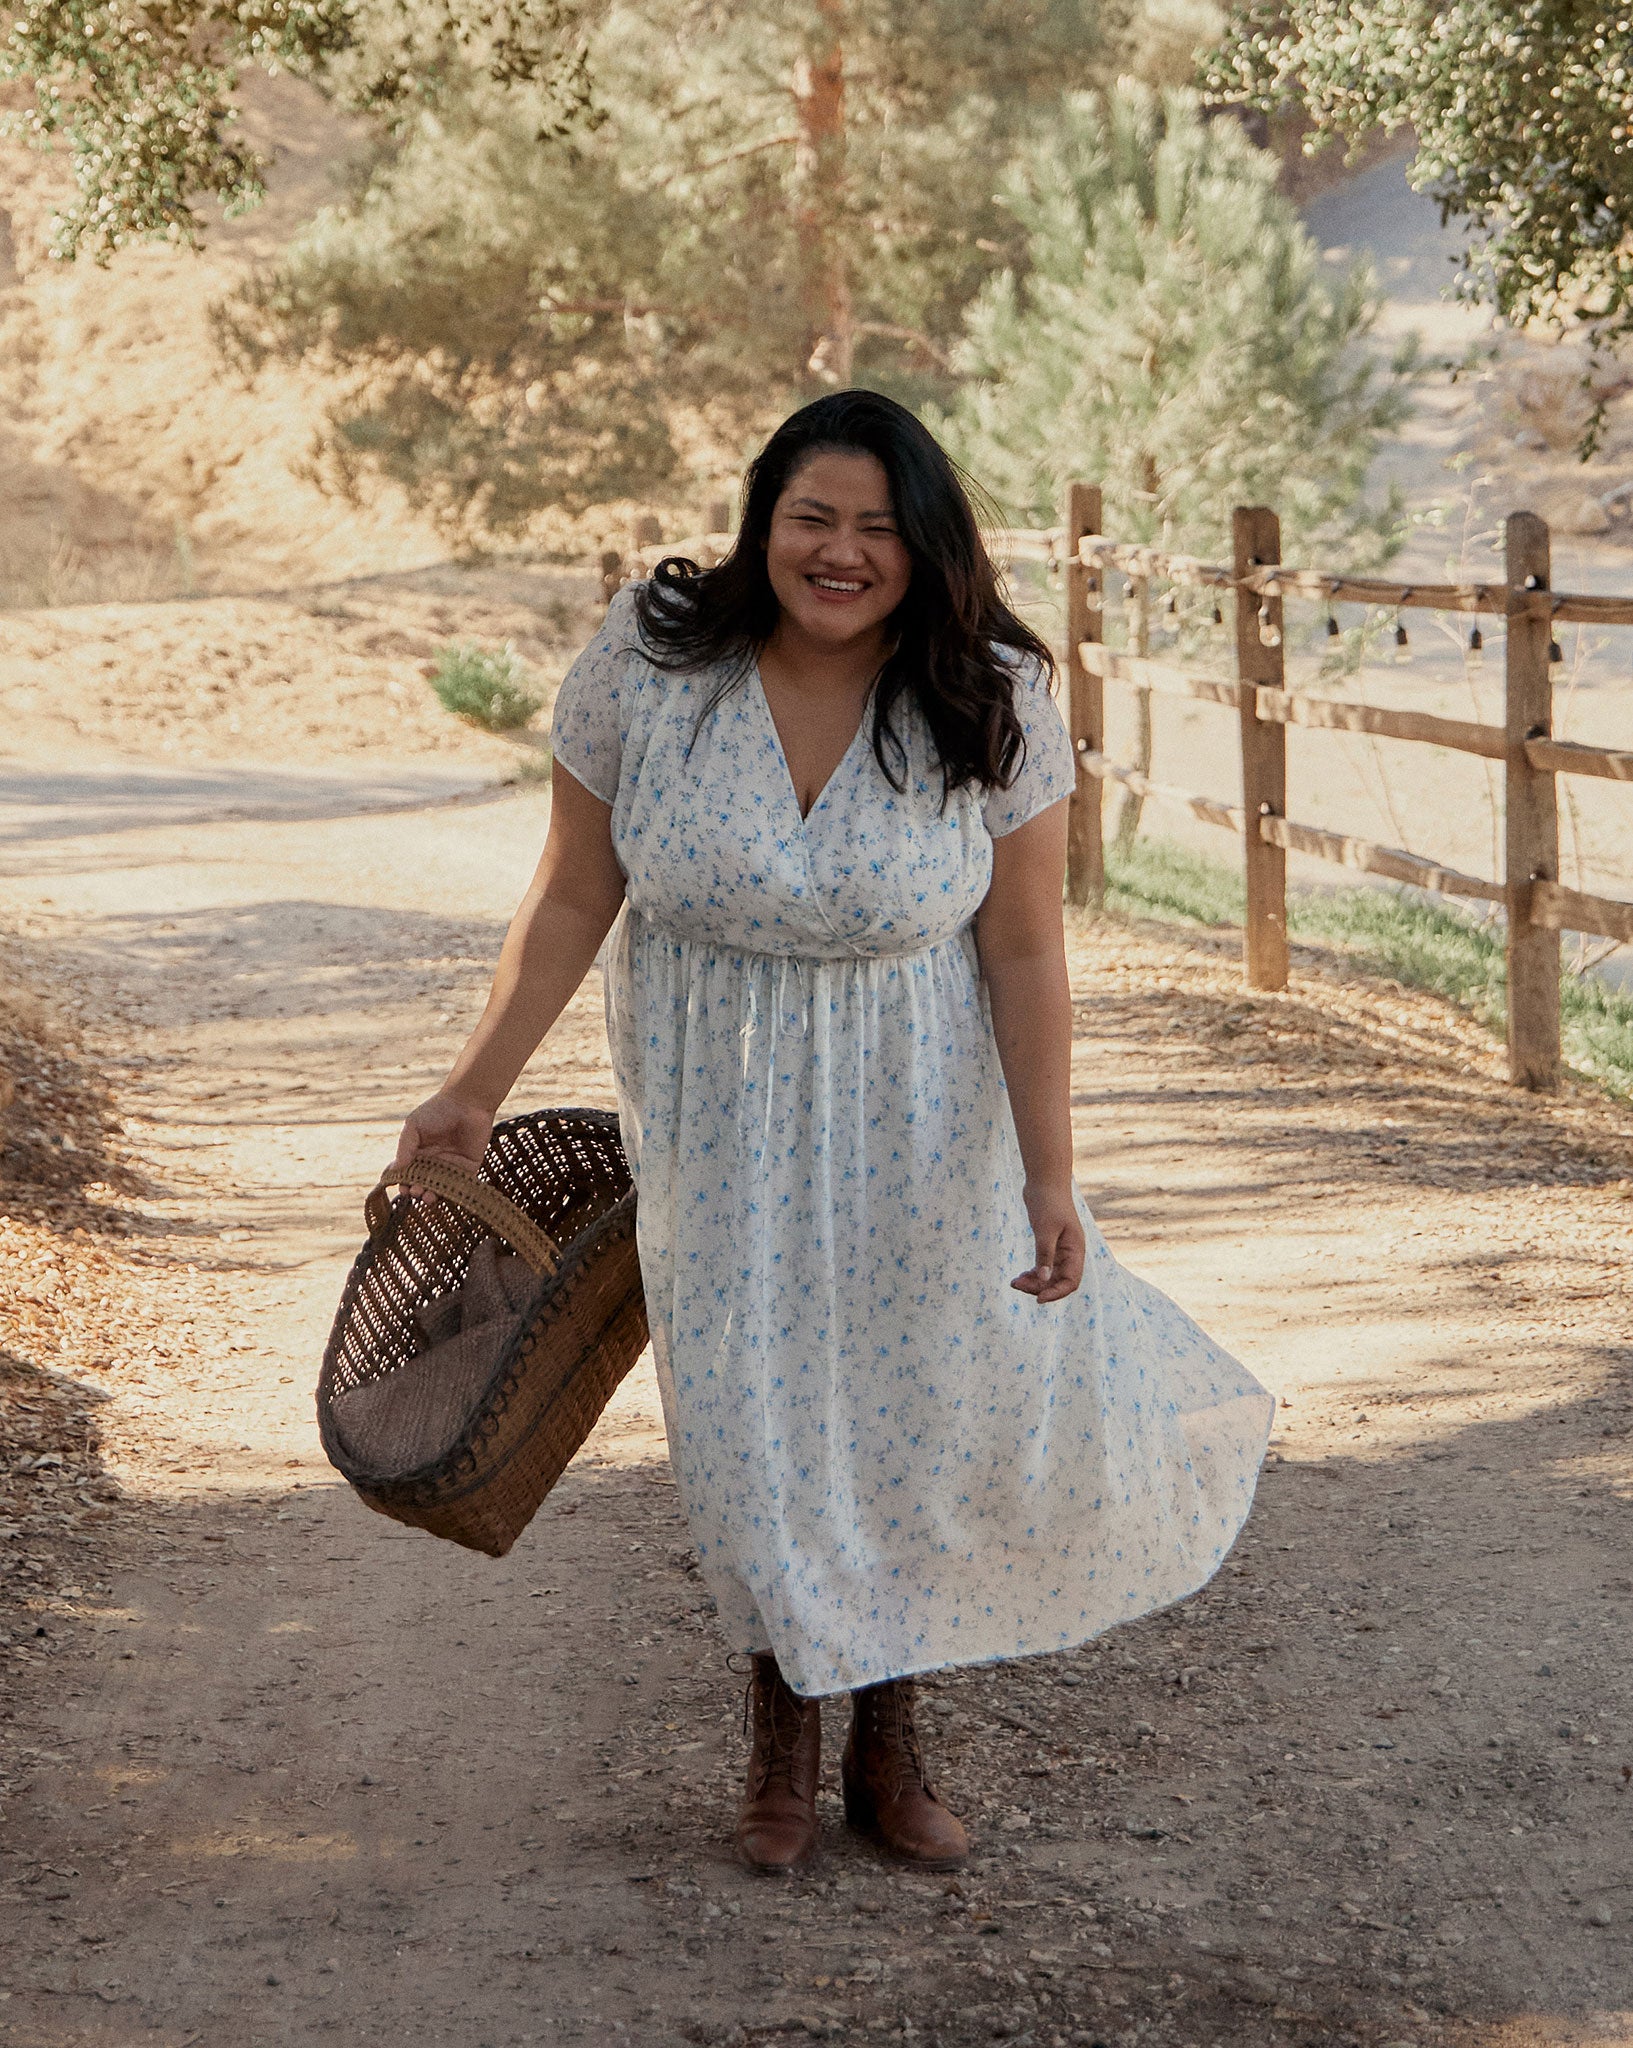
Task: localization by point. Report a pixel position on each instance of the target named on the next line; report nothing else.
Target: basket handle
(477, 1198)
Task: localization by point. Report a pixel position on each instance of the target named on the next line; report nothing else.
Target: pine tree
(767, 199)
(1173, 335)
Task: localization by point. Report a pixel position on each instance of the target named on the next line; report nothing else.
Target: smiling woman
(853, 490)
(918, 1414)
(839, 570)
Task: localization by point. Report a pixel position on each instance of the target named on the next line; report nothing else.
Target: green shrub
(484, 688)
(1410, 938)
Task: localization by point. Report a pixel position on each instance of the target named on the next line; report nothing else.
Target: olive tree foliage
(1523, 114)
(1173, 334)
(768, 198)
(141, 92)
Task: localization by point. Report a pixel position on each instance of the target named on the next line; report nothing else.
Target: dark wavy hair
(953, 629)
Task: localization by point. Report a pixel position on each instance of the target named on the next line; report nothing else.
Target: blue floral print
(890, 1460)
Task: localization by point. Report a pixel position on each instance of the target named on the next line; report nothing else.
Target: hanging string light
(1269, 631)
(1333, 627)
(1403, 643)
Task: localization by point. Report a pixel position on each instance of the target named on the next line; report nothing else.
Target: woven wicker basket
(581, 1328)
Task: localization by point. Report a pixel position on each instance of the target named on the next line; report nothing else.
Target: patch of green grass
(1155, 878)
(1411, 939)
(484, 688)
(1596, 1026)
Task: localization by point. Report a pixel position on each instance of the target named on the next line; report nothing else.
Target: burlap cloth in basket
(397, 1424)
(461, 1377)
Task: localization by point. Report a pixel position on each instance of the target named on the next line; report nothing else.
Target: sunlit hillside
(136, 463)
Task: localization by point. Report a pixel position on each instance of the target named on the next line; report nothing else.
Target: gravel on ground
(276, 1770)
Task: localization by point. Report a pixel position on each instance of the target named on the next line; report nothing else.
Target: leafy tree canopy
(141, 91)
(1523, 112)
(767, 197)
(1173, 335)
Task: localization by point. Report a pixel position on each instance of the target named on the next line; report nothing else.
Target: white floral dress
(890, 1460)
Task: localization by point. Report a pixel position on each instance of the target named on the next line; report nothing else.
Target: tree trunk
(819, 172)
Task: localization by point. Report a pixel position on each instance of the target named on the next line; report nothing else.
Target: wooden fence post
(1086, 703)
(1137, 611)
(1532, 820)
(1256, 537)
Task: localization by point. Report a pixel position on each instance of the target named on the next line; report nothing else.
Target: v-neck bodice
(864, 727)
(707, 826)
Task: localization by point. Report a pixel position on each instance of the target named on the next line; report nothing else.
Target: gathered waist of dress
(773, 945)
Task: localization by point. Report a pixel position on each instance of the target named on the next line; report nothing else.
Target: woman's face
(836, 562)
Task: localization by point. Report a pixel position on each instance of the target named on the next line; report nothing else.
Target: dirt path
(284, 1772)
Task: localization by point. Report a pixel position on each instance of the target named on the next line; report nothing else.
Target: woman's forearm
(550, 947)
(553, 940)
(1032, 1023)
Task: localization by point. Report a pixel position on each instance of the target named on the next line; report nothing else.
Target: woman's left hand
(1058, 1231)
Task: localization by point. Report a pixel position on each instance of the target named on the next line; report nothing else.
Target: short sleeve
(1047, 773)
(586, 732)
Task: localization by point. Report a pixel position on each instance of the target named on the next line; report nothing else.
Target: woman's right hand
(444, 1127)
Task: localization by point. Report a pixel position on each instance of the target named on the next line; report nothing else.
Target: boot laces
(897, 1738)
(777, 1710)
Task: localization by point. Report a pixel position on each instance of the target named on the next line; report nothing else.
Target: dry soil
(279, 1771)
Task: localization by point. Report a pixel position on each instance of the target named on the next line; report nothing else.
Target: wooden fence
(1256, 583)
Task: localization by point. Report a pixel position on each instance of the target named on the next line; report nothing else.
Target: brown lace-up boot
(777, 1828)
(886, 1796)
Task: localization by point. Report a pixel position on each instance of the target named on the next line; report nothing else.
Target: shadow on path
(39, 805)
(1315, 1802)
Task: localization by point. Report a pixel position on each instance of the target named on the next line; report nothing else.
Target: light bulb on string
(1477, 641)
(1403, 642)
(1269, 631)
(1333, 627)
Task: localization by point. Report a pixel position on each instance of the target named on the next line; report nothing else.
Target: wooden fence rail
(1538, 907)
